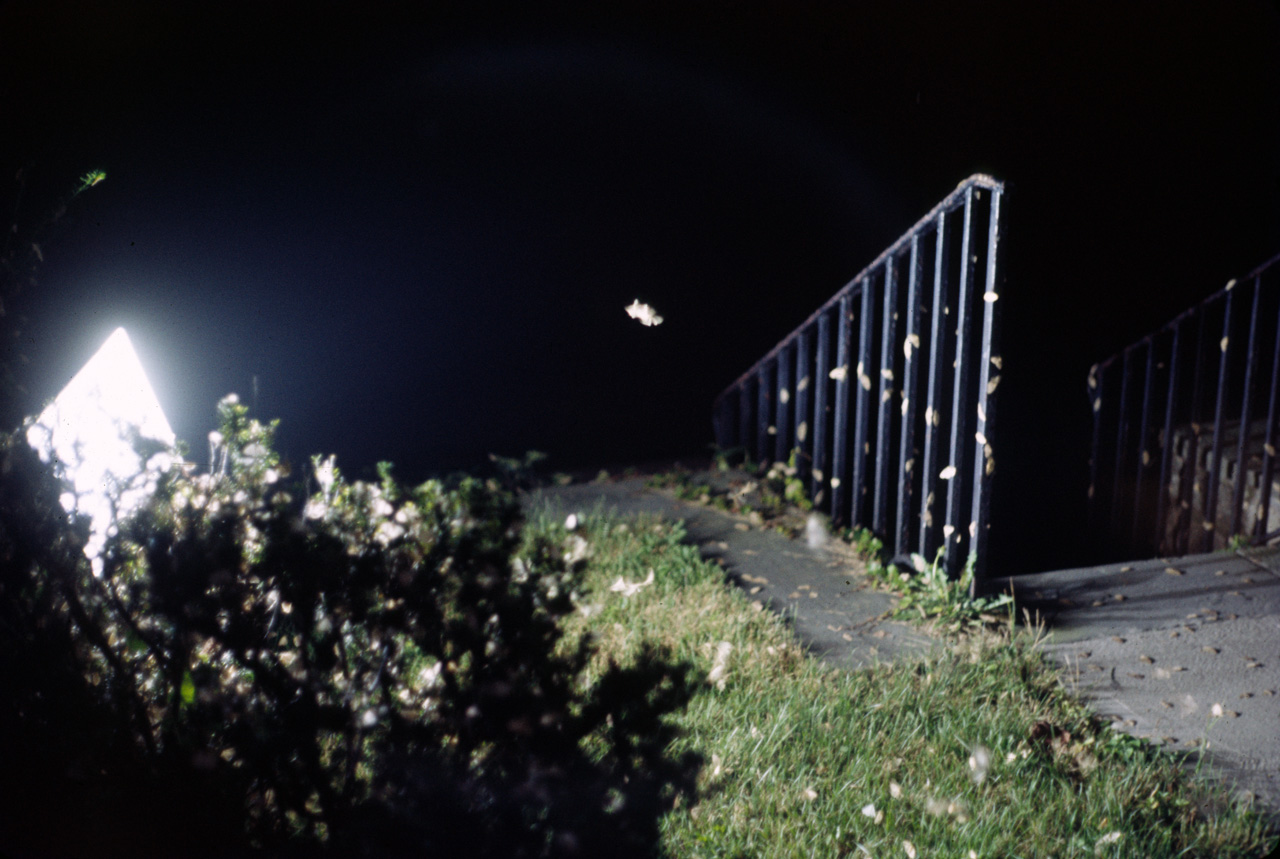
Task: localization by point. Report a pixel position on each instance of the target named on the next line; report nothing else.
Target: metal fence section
(1185, 428)
(886, 394)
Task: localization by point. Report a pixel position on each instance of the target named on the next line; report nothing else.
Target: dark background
(419, 231)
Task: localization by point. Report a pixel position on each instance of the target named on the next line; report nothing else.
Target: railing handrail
(981, 180)
(1187, 314)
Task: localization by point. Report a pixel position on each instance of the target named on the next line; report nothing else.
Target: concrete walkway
(1184, 651)
(1159, 646)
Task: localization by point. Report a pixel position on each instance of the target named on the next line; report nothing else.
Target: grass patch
(926, 593)
(977, 750)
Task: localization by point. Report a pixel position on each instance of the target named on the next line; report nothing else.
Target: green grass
(805, 760)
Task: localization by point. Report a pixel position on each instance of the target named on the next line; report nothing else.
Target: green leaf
(188, 689)
(135, 644)
(88, 180)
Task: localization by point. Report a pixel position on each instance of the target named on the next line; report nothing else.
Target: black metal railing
(1185, 428)
(893, 431)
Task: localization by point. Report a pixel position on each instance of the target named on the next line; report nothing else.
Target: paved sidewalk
(1155, 645)
(1162, 646)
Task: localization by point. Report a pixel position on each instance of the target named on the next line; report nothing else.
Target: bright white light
(88, 430)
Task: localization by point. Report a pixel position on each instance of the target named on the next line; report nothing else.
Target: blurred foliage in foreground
(368, 670)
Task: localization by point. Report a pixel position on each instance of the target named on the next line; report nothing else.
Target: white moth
(815, 533)
(644, 313)
(630, 589)
(721, 664)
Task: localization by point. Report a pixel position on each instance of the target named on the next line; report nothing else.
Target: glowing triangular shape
(87, 430)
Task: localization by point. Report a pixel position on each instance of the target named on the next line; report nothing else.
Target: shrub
(370, 670)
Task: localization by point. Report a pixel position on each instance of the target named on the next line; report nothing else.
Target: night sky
(419, 232)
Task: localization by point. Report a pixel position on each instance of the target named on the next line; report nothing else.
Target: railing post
(888, 322)
(1269, 444)
(984, 462)
(959, 398)
(803, 412)
(1166, 452)
(1097, 374)
(910, 398)
(1215, 466)
(1122, 439)
(821, 473)
(863, 406)
(932, 419)
(1143, 463)
(782, 402)
(840, 432)
(764, 395)
(1191, 464)
(1237, 495)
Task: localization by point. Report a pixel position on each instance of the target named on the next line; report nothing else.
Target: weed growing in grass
(1238, 542)
(726, 459)
(793, 491)
(930, 594)
(975, 750)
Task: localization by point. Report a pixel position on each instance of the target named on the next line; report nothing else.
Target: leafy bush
(371, 670)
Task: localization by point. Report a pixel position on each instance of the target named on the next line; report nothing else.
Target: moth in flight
(643, 312)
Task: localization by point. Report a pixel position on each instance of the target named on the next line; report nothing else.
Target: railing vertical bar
(884, 424)
(1268, 444)
(803, 412)
(1142, 465)
(937, 319)
(1191, 464)
(1246, 405)
(764, 392)
(1097, 392)
(1215, 466)
(984, 455)
(745, 435)
(1166, 452)
(782, 406)
(1122, 438)
(953, 530)
(821, 414)
(910, 377)
(840, 432)
(862, 405)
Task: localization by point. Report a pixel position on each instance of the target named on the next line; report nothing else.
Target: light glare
(87, 431)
